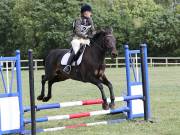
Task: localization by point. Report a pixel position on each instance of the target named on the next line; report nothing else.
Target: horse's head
(108, 41)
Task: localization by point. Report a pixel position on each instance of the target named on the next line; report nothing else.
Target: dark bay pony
(90, 70)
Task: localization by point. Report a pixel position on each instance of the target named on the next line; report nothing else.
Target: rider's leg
(76, 45)
(67, 68)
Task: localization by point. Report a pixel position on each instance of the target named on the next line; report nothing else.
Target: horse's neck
(97, 53)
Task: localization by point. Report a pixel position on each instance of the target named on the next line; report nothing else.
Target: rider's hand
(90, 36)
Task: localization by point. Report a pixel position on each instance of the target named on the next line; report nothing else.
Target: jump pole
(108, 122)
(32, 95)
(79, 115)
(79, 103)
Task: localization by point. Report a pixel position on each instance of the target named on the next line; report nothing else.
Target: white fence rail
(120, 62)
(117, 62)
(152, 61)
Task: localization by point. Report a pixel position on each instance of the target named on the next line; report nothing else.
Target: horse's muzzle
(114, 54)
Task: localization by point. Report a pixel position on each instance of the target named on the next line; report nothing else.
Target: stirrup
(67, 69)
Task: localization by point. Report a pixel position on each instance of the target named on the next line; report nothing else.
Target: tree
(44, 25)
(6, 27)
(162, 33)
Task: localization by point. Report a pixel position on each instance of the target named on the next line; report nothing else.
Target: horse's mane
(102, 32)
(97, 35)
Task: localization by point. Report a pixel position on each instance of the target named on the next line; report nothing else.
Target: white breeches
(76, 43)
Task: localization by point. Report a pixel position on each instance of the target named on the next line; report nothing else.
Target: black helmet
(85, 8)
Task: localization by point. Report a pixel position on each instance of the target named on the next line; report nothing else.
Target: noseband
(109, 35)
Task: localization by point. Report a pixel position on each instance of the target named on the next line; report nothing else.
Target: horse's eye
(109, 41)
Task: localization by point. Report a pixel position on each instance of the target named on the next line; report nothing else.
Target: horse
(90, 70)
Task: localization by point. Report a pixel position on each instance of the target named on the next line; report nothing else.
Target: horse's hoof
(105, 106)
(45, 99)
(40, 97)
(112, 105)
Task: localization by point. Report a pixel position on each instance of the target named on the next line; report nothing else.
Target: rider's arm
(77, 29)
(92, 26)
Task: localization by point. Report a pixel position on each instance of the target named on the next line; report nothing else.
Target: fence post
(36, 65)
(116, 62)
(145, 81)
(151, 62)
(128, 78)
(7, 78)
(166, 62)
(32, 95)
(19, 88)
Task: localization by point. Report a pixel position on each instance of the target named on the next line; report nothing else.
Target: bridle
(103, 46)
(108, 35)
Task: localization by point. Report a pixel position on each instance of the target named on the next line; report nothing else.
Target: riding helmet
(85, 8)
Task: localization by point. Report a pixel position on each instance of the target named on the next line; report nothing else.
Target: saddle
(77, 59)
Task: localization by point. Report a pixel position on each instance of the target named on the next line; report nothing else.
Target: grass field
(165, 104)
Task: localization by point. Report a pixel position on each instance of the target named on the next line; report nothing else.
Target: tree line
(47, 24)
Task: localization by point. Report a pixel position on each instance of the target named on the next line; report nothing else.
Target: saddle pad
(67, 55)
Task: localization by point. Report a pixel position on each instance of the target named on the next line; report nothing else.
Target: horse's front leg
(97, 82)
(109, 85)
(49, 95)
(43, 82)
(50, 83)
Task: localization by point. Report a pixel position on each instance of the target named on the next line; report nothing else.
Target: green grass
(165, 104)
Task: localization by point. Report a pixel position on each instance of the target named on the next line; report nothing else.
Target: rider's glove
(90, 36)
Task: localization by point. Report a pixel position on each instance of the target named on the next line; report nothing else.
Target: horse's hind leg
(109, 85)
(43, 82)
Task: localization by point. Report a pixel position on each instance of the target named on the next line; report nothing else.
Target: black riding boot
(67, 68)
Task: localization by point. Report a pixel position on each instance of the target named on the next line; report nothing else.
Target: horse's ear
(102, 30)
